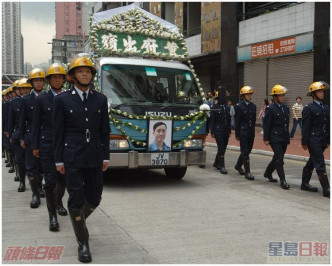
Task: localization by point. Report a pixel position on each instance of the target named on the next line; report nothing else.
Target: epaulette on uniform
(62, 92)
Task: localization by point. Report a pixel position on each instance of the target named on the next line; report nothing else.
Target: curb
(267, 153)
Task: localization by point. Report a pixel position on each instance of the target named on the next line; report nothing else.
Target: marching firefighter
(32, 164)
(22, 88)
(42, 145)
(5, 140)
(245, 119)
(276, 134)
(316, 137)
(220, 126)
(13, 93)
(81, 146)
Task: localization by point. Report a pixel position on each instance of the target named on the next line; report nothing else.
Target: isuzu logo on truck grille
(158, 113)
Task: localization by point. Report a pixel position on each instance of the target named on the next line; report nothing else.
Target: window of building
(167, 11)
(191, 18)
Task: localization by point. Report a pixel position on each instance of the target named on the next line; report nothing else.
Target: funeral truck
(156, 104)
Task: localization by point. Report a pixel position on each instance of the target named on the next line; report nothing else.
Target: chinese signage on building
(271, 48)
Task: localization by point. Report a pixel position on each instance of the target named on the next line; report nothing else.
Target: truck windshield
(130, 83)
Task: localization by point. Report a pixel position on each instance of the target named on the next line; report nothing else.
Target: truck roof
(142, 62)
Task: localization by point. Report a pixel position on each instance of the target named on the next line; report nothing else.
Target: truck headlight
(193, 143)
(119, 144)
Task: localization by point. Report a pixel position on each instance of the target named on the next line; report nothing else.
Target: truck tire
(175, 172)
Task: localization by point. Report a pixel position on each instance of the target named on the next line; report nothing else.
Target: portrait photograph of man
(160, 135)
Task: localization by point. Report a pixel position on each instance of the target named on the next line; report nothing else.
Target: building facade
(12, 40)
(70, 34)
(68, 19)
(231, 43)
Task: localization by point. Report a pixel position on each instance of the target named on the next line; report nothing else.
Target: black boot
(322, 176)
(216, 163)
(17, 177)
(7, 158)
(88, 209)
(21, 173)
(40, 187)
(306, 176)
(238, 166)
(34, 183)
(11, 163)
(222, 165)
(281, 174)
(268, 173)
(78, 222)
(60, 191)
(248, 175)
(51, 203)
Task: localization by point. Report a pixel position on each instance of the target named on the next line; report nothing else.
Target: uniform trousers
(83, 184)
(279, 150)
(32, 163)
(316, 160)
(19, 153)
(246, 144)
(222, 142)
(51, 175)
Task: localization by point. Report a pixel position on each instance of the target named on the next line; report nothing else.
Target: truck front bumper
(134, 159)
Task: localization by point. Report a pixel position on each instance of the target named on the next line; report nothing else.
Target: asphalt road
(206, 217)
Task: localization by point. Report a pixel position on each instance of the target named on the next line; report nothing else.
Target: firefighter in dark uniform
(32, 164)
(4, 99)
(11, 160)
(316, 137)
(22, 88)
(276, 134)
(42, 144)
(81, 146)
(5, 140)
(245, 119)
(220, 127)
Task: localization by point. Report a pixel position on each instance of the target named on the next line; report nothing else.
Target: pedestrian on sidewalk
(32, 164)
(261, 114)
(297, 115)
(42, 144)
(276, 134)
(232, 113)
(245, 120)
(316, 137)
(81, 147)
(220, 127)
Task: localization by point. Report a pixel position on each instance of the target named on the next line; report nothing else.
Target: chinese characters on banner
(138, 43)
(277, 47)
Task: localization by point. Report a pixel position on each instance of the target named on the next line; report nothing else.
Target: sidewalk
(294, 149)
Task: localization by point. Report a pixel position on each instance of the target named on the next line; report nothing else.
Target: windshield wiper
(131, 103)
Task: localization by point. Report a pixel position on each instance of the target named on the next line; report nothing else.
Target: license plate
(159, 158)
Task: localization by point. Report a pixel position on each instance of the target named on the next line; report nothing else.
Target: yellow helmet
(80, 62)
(318, 85)
(36, 73)
(181, 94)
(10, 89)
(278, 89)
(15, 84)
(24, 83)
(246, 90)
(55, 69)
(4, 92)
